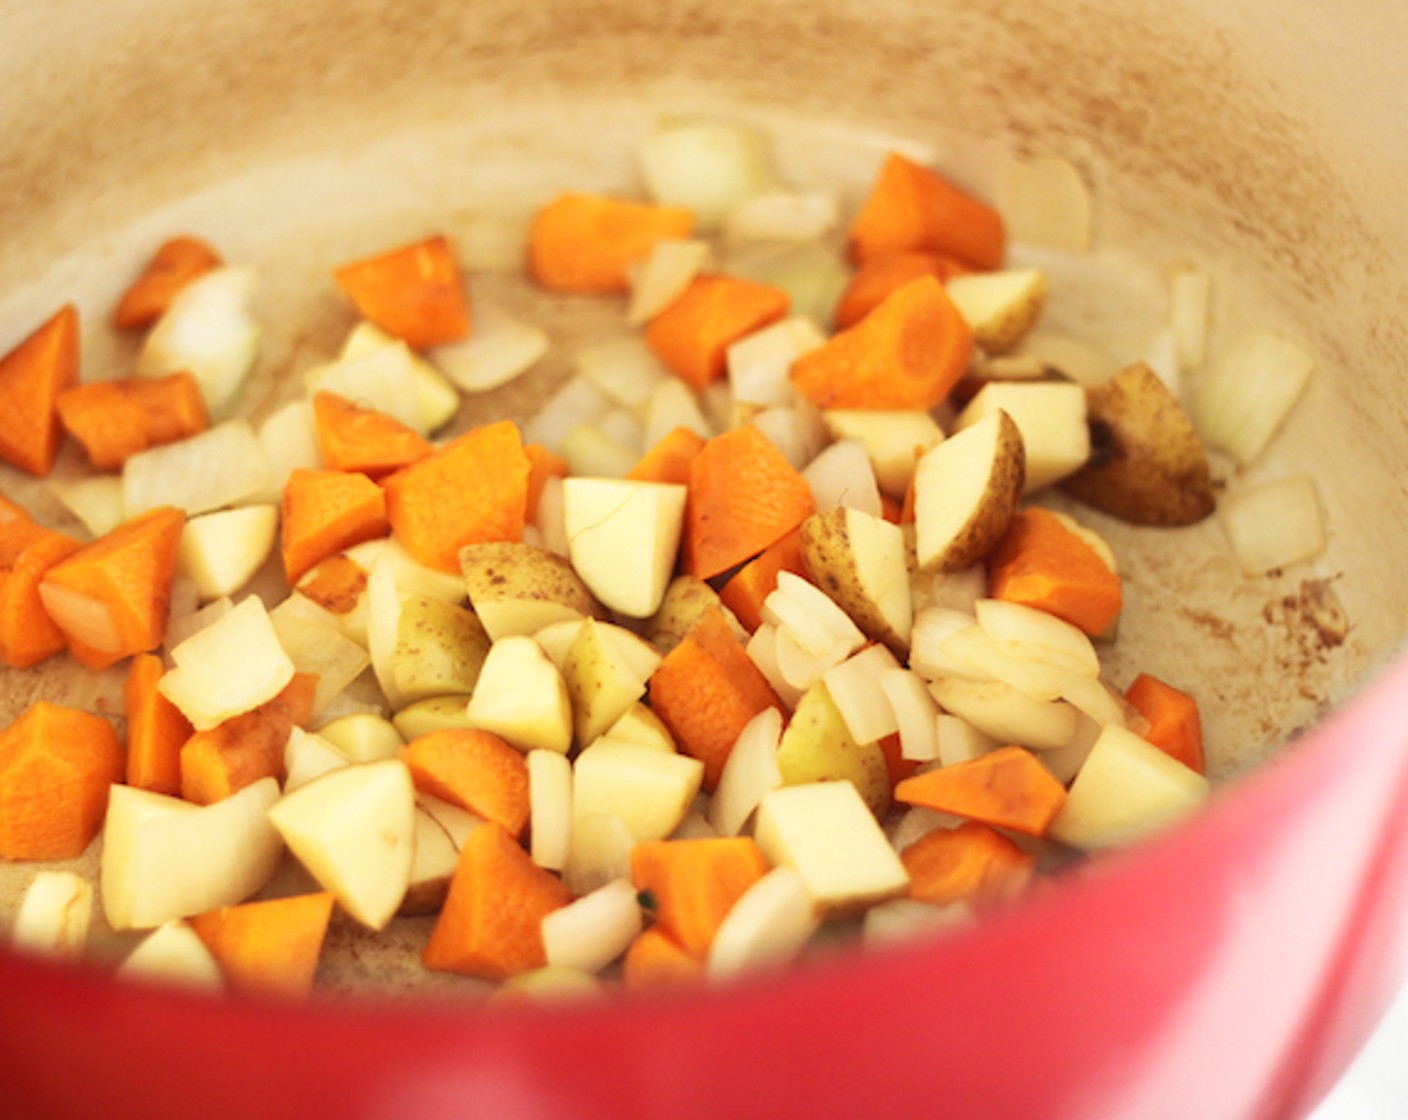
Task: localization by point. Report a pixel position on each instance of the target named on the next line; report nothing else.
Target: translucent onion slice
(221, 466)
(376, 378)
(759, 364)
(1007, 714)
(802, 217)
(96, 501)
(54, 915)
(959, 740)
(706, 167)
(902, 918)
(592, 931)
(626, 370)
(577, 401)
(1243, 398)
(749, 772)
(841, 477)
(855, 688)
(796, 431)
(599, 851)
(768, 925)
(1022, 631)
(500, 347)
(916, 714)
(673, 405)
(1273, 525)
(663, 276)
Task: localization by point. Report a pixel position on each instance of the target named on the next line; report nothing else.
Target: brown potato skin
(830, 564)
(1147, 464)
(994, 514)
(517, 570)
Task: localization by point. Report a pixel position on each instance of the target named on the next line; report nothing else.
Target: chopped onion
(620, 425)
(916, 714)
(1190, 295)
(842, 477)
(84, 619)
(810, 614)
(436, 400)
(96, 501)
(624, 369)
(795, 431)
(759, 364)
(960, 741)
(551, 521)
(783, 216)
(221, 466)
(591, 453)
(333, 657)
(717, 403)
(762, 651)
(1273, 525)
(593, 930)
(375, 379)
(694, 826)
(812, 275)
(188, 619)
(599, 851)
(749, 772)
(932, 627)
(577, 401)
(706, 167)
(289, 439)
(500, 347)
(1045, 202)
(902, 918)
(1081, 361)
(767, 925)
(855, 689)
(1023, 631)
(1005, 713)
(663, 276)
(1243, 398)
(673, 405)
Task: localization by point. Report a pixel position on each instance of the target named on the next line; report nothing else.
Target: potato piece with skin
(817, 747)
(1147, 464)
(686, 600)
(623, 538)
(860, 561)
(522, 698)
(965, 492)
(893, 440)
(440, 649)
(1000, 307)
(517, 588)
(602, 684)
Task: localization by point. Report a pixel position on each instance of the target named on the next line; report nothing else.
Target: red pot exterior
(1228, 970)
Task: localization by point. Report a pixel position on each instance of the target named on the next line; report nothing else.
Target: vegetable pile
(773, 622)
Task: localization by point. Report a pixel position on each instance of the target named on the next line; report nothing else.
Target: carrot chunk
(174, 265)
(693, 334)
(1007, 787)
(914, 209)
(1041, 563)
(56, 766)
(586, 243)
(1175, 726)
(706, 690)
(335, 584)
(352, 438)
(270, 947)
(156, 729)
(655, 959)
(669, 459)
(877, 277)
(474, 770)
(27, 551)
(471, 491)
(111, 597)
(970, 862)
(743, 496)
(542, 465)
(491, 925)
(746, 589)
(224, 759)
(414, 292)
(694, 883)
(32, 376)
(906, 354)
(324, 512)
(113, 420)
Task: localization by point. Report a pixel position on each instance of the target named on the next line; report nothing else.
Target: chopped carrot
(914, 209)
(669, 459)
(492, 922)
(655, 959)
(474, 770)
(414, 293)
(743, 496)
(32, 376)
(896, 765)
(1175, 726)
(156, 729)
(324, 512)
(877, 277)
(542, 465)
(694, 883)
(693, 334)
(268, 947)
(335, 584)
(706, 690)
(174, 265)
(746, 589)
(119, 586)
(906, 354)
(238, 752)
(473, 490)
(971, 862)
(27, 551)
(353, 438)
(587, 243)
(1008, 787)
(114, 420)
(56, 766)
(1042, 563)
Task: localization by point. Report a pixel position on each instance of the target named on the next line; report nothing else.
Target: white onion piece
(1190, 296)
(308, 756)
(932, 627)
(577, 401)
(96, 501)
(1045, 202)
(208, 332)
(662, 277)
(375, 379)
(783, 216)
(808, 611)
(672, 405)
(623, 427)
(768, 925)
(1006, 714)
(749, 772)
(978, 658)
(719, 408)
(592, 931)
(855, 689)
(1080, 360)
(694, 825)
(186, 619)
(591, 453)
(54, 914)
(221, 466)
(1064, 763)
(436, 400)
(842, 477)
(1273, 525)
(1095, 699)
(626, 369)
(813, 275)
(800, 667)
(288, 437)
(960, 741)
(1245, 395)
(902, 918)
(500, 347)
(599, 851)
(1161, 356)
(916, 714)
(759, 363)
(796, 431)
(325, 651)
(384, 627)
(762, 651)
(1022, 631)
(551, 521)
(706, 167)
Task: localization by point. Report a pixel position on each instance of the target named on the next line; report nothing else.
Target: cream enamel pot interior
(1228, 969)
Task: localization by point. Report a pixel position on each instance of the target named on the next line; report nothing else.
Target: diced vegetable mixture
(773, 625)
